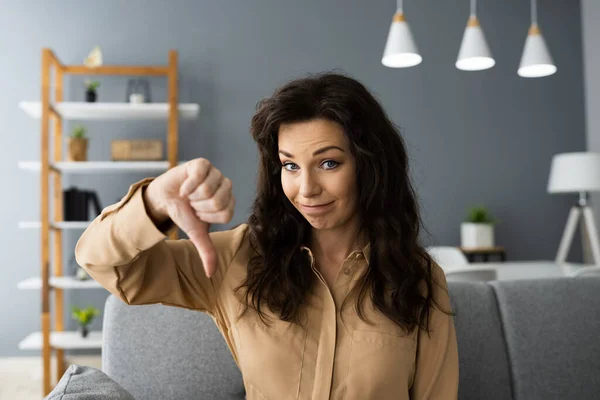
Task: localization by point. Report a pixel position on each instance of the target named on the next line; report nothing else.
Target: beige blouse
(336, 356)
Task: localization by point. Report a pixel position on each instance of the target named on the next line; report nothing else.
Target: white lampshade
(400, 48)
(474, 53)
(536, 60)
(575, 172)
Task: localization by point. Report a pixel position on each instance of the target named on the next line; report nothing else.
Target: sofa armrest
(84, 383)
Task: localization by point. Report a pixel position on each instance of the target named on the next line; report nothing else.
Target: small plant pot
(77, 149)
(84, 331)
(474, 235)
(90, 96)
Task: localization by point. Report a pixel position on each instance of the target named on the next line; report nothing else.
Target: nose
(309, 186)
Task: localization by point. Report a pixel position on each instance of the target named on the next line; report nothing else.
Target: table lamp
(576, 173)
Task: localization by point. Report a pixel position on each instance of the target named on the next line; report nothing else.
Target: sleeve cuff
(133, 224)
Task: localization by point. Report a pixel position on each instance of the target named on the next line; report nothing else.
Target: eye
(330, 164)
(289, 166)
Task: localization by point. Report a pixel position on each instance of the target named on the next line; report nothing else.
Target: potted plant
(84, 318)
(90, 93)
(78, 144)
(478, 228)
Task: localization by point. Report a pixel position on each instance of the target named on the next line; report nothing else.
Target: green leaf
(92, 85)
(84, 316)
(480, 215)
(79, 132)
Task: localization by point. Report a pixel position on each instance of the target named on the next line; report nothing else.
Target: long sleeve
(436, 373)
(128, 255)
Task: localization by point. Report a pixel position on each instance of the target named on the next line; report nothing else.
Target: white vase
(476, 235)
(82, 274)
(136, 98)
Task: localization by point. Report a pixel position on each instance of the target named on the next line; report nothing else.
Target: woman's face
(318, 172)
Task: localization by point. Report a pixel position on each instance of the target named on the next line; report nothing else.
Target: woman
(326, 292)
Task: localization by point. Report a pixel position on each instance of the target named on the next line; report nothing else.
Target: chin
(319, 224)
(324, 222)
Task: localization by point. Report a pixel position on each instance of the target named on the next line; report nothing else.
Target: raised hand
(193, 195)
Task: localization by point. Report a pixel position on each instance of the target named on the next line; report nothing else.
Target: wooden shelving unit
(59, 282)
(98, 167)
(51, 167)
(64, 340)
(112, 111)
(55, 225)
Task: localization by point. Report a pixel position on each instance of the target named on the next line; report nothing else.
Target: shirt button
(358, 255)
(348, 271)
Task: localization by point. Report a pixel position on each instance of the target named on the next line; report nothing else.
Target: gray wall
(473, 137)
(590, 12)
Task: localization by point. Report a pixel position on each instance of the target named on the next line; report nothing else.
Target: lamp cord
(533, 12)
(399, 6)
(473, 8)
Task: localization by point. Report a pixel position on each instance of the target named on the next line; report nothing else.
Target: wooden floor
(21, 377)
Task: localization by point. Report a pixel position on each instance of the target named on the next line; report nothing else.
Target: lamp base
(567, 238)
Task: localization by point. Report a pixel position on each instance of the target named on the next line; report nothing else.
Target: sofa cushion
(553, 336)
(87, 383)
(483, 362)
(162, 352)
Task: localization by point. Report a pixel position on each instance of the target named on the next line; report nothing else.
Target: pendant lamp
(474, 53)
(536, 60)
(400, 48)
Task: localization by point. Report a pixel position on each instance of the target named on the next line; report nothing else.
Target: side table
(484, 253)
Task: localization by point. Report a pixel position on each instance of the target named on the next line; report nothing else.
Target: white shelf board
(99, 167)
(114, 111)
(67, 340)
(59, 282)
(57, 225)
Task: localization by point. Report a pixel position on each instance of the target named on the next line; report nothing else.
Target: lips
(316, 209)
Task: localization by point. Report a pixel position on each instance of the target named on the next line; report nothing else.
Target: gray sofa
(524, 340)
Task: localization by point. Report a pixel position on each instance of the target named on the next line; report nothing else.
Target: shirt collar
(366, 252)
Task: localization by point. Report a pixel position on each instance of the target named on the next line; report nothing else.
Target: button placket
(349, 270)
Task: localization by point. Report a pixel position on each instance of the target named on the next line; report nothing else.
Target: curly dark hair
(389, 216)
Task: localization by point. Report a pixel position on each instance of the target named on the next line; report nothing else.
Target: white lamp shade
(536, 60)
(474, 53)
(400, 48)
(575, 172)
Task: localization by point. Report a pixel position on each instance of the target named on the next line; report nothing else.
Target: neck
(337, 244)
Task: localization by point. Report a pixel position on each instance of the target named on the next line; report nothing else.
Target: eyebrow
(316, 153)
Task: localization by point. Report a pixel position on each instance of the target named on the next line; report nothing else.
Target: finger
(182, 214)
(207, 250)
(218, 202)
(196, 172)
(220, 217)
(207, 188)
